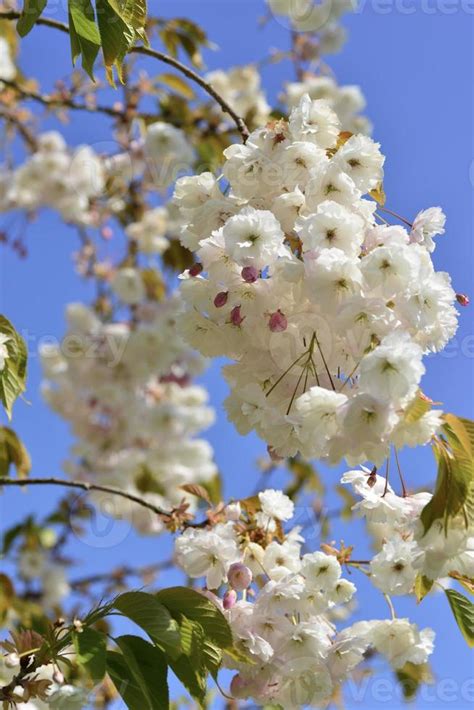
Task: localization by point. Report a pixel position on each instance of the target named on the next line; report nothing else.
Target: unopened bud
(230, 598)
(221, 299)
(195, 269)
(12, 660)
(276, 458)
(462, 299)
(278, 322)
(239, 576)
(58, 677)
(106, 233)
(233, 511)
(235, 316)
(250, 274)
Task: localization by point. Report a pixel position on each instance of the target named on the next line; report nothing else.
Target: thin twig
(52, 102)
(12, 15)
(162, 57)
(88, 487)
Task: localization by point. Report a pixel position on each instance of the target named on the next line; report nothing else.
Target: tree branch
(168, 516)
(238, 120)
(12, 15)
(162, 57)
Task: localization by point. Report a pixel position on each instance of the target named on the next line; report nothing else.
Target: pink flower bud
(278, 322)
(195, 269)
(235, 316)
(276, 458)
(230, 598)
(462, 299)
(250, 274)
(221, 299)
(58, 677)
(106, 233)
(239, 576)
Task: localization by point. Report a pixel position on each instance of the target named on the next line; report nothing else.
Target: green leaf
(84, 34)
(463, 611)
(13, 374)
(466, 582)
(153, 617)
(190, 667)
(453, 486)
(419, 406)
(196, 607)
(411, 676)
(11, 535)
(91, 652)
(423, 585)
(125, 681)
(176, 83)
(32, 9)
(132, 12)
(148, 667)
(13, 451)
(462, 430)
(117, 37)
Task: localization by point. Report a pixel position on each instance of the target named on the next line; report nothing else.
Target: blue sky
(415, 69)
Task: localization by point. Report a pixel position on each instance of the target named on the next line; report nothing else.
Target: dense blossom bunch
(404, 551)
(125, 389)
(284, 617)
(54, 176)
(57, 694)
(241, 88)
(316, 16)
(346, 101)
(326, 312)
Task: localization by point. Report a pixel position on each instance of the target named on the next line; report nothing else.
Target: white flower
(207, 553)
(7, 65)
(361, 159)
(280, 560)
(67, 697)
(395, 568)
(276, 504)
(150, 232)
(332, 226)
(128, 285)
(314, 121)
(321, 571)
(428, 224)
(31, 564)
(401, 642)
(393, 370)
(167, 152)
(315, 416)
(253, 237)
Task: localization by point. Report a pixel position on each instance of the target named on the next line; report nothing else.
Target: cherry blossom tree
(259, 234)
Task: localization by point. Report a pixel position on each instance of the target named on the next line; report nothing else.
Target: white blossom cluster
(346, 101)
(316, 16)
(54, 176)
(404, 551)
(324, 308)
(125, 390)
(241, 88)
(282, 618)
(60, 695)
(35, 567)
